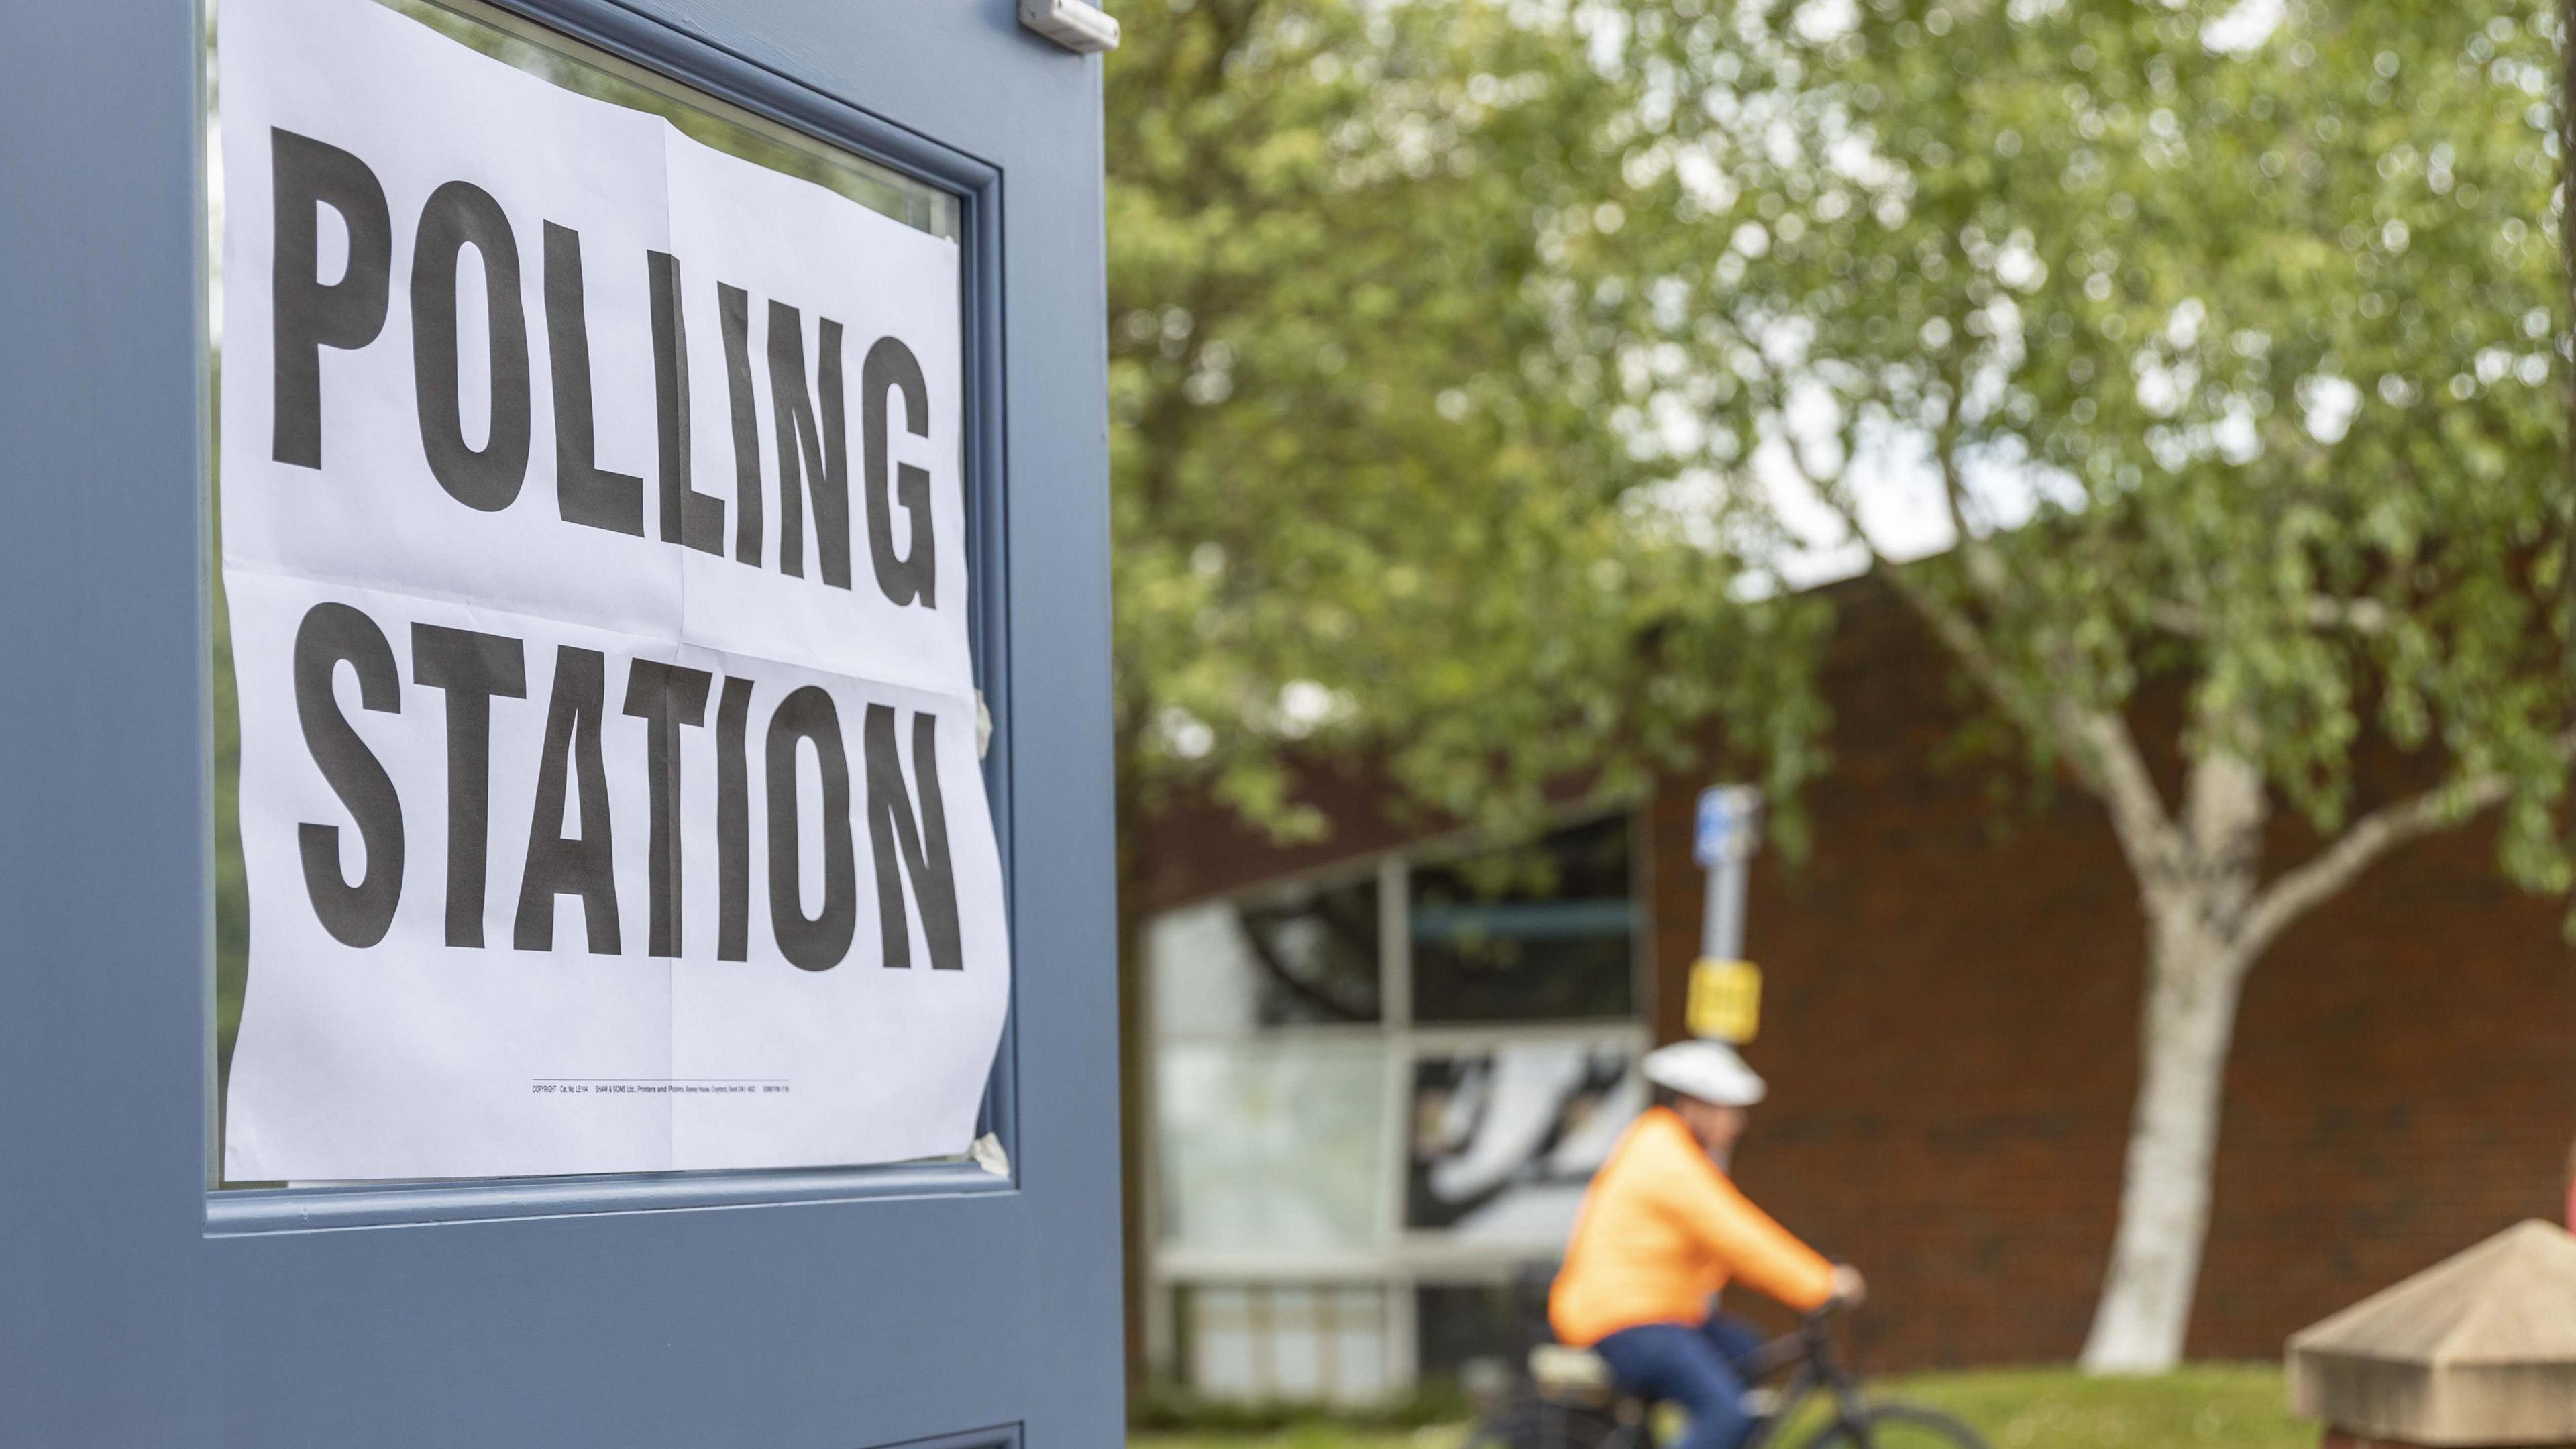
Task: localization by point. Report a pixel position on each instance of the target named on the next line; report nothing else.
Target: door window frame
(976, 184)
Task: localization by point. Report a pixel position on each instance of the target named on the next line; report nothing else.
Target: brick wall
(1952, 982)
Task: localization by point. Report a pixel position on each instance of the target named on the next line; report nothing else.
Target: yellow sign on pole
(1725, 1000)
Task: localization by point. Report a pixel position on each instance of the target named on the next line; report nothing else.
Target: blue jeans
(1694, 1367)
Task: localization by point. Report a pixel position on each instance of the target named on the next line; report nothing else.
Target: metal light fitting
(1078, 27)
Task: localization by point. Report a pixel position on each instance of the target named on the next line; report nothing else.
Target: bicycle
(1565, 1400)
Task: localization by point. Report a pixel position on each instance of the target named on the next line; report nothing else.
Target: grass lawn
(2226, 1406)
(2235, 1406)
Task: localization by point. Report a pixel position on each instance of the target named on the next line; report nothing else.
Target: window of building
(1311, 1343)
(1460, 1323)
(1540, 934)
(1301, 956)
(1272, 1146)
(1379, 1094)
(1505, 1138)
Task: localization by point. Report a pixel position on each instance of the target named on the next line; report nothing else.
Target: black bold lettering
(309, 313)
(584, 491)
(473, 670)
(583, 865)
(457, 216)
(809, 460)
(733, 308)
(820, 943)
(924, 852)
(891, 366)
(688, 517)
(733, 823)
(333, 634)
(665, 697)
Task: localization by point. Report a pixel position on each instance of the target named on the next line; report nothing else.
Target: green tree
(2229, 338)
(1372, 495)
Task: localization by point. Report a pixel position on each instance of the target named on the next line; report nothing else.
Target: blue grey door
(944, 1302)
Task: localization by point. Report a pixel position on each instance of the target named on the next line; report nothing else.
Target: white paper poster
(594, 539)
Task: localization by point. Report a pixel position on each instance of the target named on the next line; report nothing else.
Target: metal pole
(1724, 991)
(1730, 824)
(1721, 922)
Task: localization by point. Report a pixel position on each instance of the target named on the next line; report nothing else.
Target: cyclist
(1663, 1228)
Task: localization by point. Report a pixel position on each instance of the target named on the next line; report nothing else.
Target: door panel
(871, 1307)
(103, 812)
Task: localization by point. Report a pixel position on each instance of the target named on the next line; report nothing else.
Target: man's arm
(1759, 1251)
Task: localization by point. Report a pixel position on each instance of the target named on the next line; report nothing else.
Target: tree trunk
(2193, 979)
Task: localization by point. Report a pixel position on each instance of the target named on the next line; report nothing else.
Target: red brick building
(1952, 1004)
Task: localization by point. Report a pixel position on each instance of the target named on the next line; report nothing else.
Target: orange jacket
(1661, 1230)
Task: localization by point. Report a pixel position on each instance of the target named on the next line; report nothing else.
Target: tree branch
(2098, 743)
(2360, 616)
(2317, 880)
(2108, 760)
(1985, 567)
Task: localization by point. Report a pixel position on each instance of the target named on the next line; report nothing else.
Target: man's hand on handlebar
(1850, 1289)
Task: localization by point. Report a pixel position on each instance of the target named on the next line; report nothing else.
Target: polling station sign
(594, 538)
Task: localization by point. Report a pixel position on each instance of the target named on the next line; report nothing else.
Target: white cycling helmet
(1708, 1070)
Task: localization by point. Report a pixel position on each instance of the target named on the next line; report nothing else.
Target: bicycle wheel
(1898, 1426)
(1530, 1424)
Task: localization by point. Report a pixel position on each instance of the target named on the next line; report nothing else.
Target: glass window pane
(1355, 1343)
(1272, 1147)
(571, 65)
(1506, 1140)
(1297, 1349)
(1463, 1324)
(1546, 932)
(525, 45)
(1280, 1343)
(1224, 1361)
(1307, 955)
